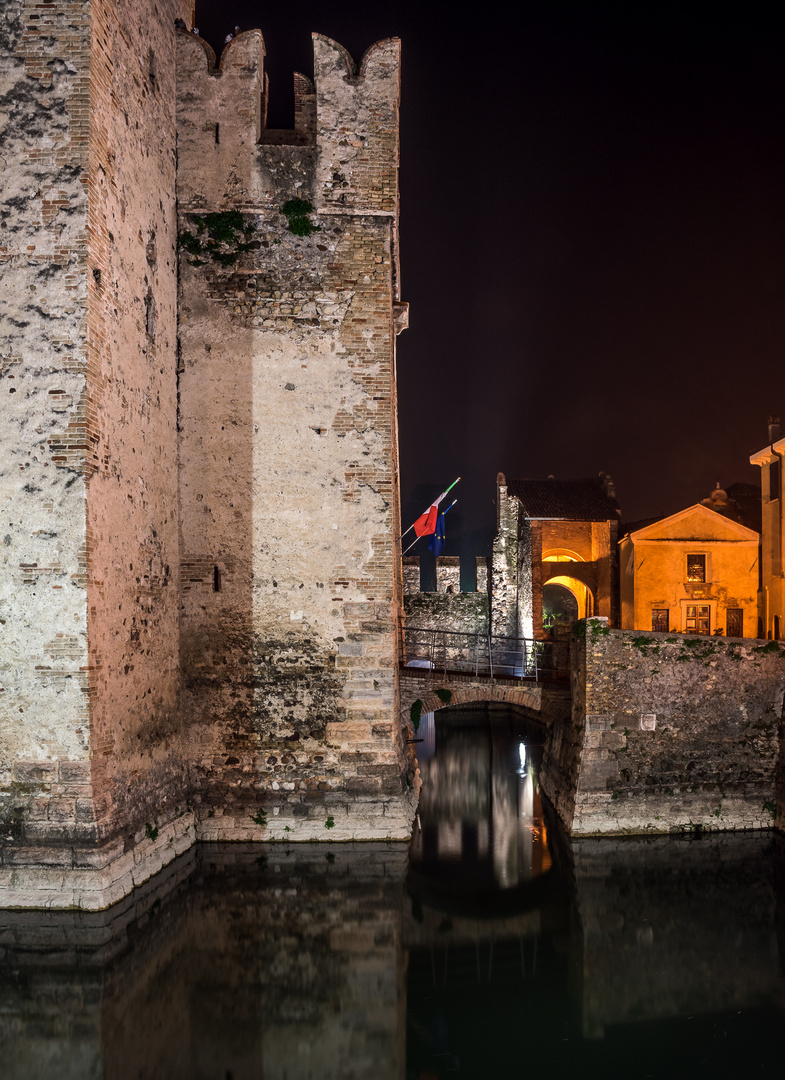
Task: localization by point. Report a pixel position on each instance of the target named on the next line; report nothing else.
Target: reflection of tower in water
(480, 806)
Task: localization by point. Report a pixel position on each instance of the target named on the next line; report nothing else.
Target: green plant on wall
(415, 712)
(445, 696)
(221, 237)
(296, 212)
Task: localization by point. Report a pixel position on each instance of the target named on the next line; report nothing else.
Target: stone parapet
(668, 733)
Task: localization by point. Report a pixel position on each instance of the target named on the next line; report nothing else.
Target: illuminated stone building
(554, 551)
(199, 468)
(695, 572)
(771, 597)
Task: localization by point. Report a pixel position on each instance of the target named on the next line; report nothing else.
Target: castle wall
(505, 564)
(667, 734)
(44, 88)
(448, 574)
(288, 479)
(138, 759)
(461, 613)
(87, 739)
(202, 594)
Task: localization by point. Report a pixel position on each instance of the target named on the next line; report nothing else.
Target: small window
(775, 630)
(734, 622)
(696, 568)
(659, 620)
(698, 619)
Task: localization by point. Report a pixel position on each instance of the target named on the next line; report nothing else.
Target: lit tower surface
(199, 469)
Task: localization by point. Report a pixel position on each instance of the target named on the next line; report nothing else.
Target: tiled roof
(571, 500)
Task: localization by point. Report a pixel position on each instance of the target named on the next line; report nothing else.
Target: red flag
(425, 525)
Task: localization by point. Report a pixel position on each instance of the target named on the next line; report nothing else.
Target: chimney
(774, 428)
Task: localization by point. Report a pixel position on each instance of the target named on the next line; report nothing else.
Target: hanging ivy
(220, 237)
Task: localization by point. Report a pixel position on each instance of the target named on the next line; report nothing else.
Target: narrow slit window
(216, 579)
(149, 314)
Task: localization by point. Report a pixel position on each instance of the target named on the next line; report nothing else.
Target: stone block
(62, 810)
(75, 772)
(35, 772)
(351, 648)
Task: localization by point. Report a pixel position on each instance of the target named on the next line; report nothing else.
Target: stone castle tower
(199, 469)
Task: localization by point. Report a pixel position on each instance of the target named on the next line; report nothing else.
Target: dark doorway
(559, 606)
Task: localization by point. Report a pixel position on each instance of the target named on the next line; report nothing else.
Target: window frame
(706, 556)
(696, 603)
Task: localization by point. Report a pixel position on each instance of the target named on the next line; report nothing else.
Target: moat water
(493, 947)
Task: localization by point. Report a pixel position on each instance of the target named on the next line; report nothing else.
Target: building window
(659, 620)
(696, 568)
(774, 481)
(734, 622)
(697, 619)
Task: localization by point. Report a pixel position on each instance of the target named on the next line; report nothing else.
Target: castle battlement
(342, 154)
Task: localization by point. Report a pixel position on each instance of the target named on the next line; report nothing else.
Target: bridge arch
(522, 697)
(543, 702)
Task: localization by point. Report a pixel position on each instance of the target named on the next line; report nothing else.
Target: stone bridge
(653, 734)
(544, 701)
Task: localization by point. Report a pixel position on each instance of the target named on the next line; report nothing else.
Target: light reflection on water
(500, 949)
(480, 815)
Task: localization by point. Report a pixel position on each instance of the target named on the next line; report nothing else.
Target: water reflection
(480, 827)
(506, 950)
(286, 964)
(635, 957)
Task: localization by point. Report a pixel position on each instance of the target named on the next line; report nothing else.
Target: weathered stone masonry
(198, 495)
(667, 734)
(288, 476)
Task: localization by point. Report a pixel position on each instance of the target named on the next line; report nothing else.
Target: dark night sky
(592, 240)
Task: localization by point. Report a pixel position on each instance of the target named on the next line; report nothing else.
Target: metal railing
(483, 654)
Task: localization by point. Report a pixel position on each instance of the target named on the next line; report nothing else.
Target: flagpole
(452, 485)
(449, 508)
